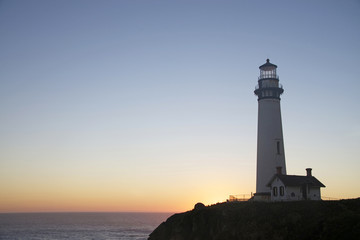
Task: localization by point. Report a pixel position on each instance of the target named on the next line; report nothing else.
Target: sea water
(41, 226)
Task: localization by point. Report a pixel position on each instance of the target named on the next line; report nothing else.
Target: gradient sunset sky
(149, 106)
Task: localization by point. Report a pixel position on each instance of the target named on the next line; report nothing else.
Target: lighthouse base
(262, 197)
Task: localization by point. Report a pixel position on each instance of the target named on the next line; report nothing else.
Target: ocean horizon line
(63, 212)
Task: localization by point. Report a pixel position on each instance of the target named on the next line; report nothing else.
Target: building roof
(294, 180)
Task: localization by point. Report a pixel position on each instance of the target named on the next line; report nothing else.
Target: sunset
(149, 106)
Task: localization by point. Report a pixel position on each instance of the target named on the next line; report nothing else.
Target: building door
(304, 191)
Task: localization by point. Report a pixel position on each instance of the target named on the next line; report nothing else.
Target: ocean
(51, 226)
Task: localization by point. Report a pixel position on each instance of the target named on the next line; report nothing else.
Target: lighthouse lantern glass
(268, 73)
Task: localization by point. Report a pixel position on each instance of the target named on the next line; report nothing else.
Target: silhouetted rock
(199, 206)
(261, 220)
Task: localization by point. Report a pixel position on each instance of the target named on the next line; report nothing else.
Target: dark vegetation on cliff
(260, 220)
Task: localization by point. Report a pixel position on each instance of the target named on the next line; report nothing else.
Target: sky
(138, 105)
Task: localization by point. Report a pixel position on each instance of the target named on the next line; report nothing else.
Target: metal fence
(240, 197)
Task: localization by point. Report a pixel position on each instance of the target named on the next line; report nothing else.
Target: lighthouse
(270, 141)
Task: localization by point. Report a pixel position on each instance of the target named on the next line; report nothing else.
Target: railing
(240, 197)
(268, 86)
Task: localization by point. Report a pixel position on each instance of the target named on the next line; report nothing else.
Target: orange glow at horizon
(31, 194)
(80, 191)
(110, 195)
(109, 187)
(102, 201)
(77, 203)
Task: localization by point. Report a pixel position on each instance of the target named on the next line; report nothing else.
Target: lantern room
(268, 82)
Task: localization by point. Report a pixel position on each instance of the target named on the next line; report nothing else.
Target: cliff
(261, 220)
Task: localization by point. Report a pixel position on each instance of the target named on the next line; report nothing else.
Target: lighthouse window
(278, 147)
(275, 191)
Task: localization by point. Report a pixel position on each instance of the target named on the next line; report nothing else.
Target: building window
(278, 147)
(281, 191)
(275, 191)
(292, 194)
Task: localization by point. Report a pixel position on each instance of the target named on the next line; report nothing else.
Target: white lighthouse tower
(270, 143)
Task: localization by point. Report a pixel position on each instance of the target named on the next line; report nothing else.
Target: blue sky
(158, 95)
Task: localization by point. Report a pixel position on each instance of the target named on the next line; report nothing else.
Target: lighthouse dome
(268, 66)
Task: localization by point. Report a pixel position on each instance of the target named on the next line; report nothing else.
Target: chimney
(278, 170)
(308, 172)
